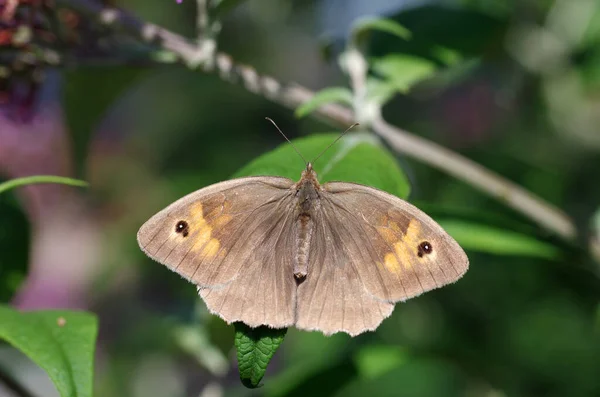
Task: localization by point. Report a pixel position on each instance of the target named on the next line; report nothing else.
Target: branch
(196, 55)
(513, 195)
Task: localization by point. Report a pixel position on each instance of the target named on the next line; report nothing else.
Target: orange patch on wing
(387, 234)
(202, 237)
(202, 232)
(221, 221)
(211, 248)
(197, 223)
(405, 249)
(391, 262)
(394, 226)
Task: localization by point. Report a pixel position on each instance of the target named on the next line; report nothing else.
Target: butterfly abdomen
(304, 232)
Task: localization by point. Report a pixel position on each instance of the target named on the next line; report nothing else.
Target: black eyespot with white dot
(183, 228)
(425, 248)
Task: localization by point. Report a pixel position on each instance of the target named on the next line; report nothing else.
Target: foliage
(61, 342)
(357, 157)
(255, 348)
(328, 95)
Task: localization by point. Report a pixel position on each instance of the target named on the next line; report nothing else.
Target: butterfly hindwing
(265, 291)
(333, 298)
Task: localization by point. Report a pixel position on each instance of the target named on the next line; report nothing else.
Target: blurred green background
(516, 87)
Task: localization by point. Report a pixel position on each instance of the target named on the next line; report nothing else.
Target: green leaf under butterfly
(61, 342)
(356, 157)
(328, 95)
(494, 240)
(255, 348)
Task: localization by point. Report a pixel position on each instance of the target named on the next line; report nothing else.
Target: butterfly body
(306, 192)
(332, 257)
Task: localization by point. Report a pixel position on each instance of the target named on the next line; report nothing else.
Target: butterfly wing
(371, 250)
(264, 293)
(211, 235)
(333, 298)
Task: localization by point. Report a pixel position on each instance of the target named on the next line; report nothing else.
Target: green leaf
(381, 24)
(591, 35)
(323, 97)
(357, 157)
(29, 180)
(255, 348)
(403, 71)
(483, 238)
(61, 342)
(447, 55)
(380, 91)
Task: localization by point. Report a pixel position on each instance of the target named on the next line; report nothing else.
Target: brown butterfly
(333, 258)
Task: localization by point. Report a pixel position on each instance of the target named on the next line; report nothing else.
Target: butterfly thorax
(307, 191)
(307, 201)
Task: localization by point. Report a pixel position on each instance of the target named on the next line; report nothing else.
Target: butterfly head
(309, 177)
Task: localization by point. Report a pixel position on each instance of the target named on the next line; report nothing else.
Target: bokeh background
(523, 99)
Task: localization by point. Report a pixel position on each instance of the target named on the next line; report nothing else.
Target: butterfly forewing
(398, 251)
(209, 236)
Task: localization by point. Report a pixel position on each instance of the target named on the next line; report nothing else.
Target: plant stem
(509, 193)
(28, 180)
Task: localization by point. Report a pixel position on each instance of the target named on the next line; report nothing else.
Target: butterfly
(331, 257)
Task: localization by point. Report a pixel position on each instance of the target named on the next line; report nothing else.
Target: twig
(206, 32)
(194, 56)
(356, 67)
(201, 19)
(513, 195)
(11, 384)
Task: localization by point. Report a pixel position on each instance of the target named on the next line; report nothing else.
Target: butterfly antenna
(333, 143)
(286, 138)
